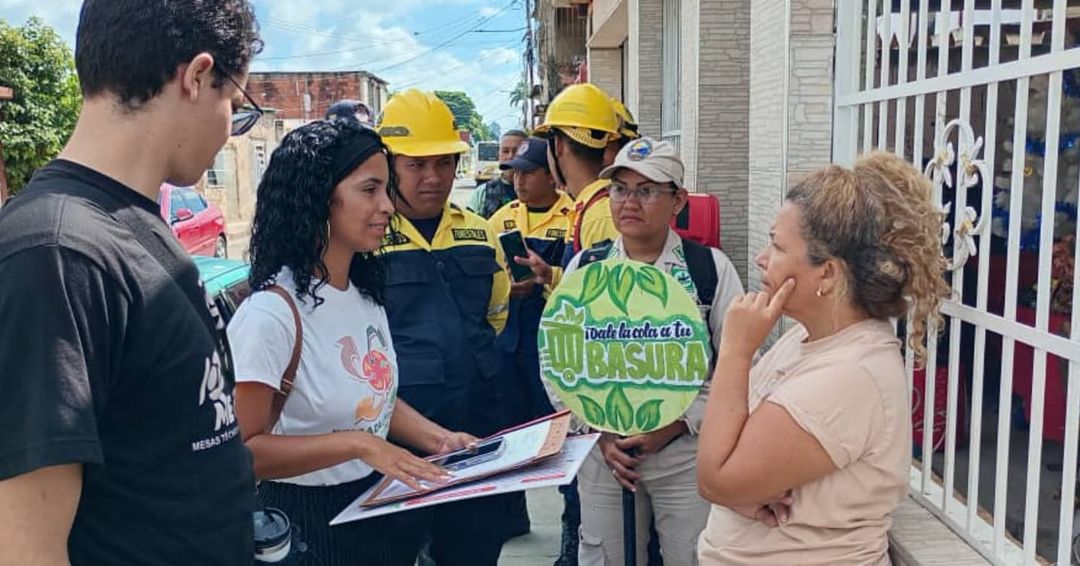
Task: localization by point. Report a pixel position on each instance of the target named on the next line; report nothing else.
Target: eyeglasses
(644, 195)
(245, 118)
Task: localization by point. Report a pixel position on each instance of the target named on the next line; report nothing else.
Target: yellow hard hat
(580, 111)
(628, 127)
(418, 124)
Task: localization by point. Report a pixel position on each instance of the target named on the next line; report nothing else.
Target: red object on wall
(941, 404)
(699, 220)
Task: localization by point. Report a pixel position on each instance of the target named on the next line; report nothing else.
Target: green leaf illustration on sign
(594, 413)
(596, 276)
(648, 415)
(623, 346)
(620, 413)
(650, 280)
(620, 283)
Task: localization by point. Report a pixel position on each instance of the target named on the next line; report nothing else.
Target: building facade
(304, 96)
(232, 181)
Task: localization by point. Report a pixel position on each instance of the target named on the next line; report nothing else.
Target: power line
(445, 43)
(337, 52)
(425, 76)
(368, 43)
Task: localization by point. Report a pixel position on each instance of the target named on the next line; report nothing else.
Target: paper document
(555, 471)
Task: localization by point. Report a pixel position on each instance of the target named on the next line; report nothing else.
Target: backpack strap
(581, 216)
(287, 379)
(599, 252)
(702, 268)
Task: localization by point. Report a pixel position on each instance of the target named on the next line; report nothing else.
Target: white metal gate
(1003, 124)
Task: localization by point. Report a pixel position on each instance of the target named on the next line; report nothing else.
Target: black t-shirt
(109, 361)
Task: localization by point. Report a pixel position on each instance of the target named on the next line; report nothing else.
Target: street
(541, 546)
(463, 190)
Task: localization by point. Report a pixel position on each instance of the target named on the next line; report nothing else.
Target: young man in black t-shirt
(120, 444)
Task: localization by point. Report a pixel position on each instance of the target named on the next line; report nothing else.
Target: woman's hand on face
(396, 462)
(750, 318)
(621, 464)
(452, 441)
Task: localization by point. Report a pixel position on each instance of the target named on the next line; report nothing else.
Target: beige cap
(655, 160)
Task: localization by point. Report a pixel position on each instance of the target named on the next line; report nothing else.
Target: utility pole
(529, 52)
(5, 94)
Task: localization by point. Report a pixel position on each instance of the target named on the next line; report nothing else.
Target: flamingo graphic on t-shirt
(374, 370)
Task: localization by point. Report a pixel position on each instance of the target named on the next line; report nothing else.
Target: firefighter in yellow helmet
(580, 123)
(628, 131)
(446, 300)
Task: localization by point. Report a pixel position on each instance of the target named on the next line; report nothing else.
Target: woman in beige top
(809, 470)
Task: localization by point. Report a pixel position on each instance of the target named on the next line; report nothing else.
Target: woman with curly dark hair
(323, 208)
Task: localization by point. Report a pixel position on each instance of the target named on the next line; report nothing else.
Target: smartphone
(485, 452)
(513, 245)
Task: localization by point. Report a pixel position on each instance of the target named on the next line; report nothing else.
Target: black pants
(467, 533)
(390, 540)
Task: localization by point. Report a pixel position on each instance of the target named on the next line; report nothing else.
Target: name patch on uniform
(395, 239)
(472, 234)
(556, 233)
(509, 224)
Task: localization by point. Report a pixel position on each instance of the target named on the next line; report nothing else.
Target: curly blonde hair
(878, 219)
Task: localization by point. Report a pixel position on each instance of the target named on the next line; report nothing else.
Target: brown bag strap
(289, 376)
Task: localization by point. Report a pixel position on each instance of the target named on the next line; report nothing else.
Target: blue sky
(427, 44)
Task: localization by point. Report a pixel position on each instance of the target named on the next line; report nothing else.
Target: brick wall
(809, 107)
(715, 111)
(644, 63)
(605, 70)
(285, 91)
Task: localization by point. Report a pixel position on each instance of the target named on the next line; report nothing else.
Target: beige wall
(643, 64)
(715, 111)
(801, 107)
(605, 70)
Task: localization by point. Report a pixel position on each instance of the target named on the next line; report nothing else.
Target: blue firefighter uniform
(545, 234)
(446, 302)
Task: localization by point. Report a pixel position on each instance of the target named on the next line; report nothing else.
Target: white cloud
(371, 36)
(376, 41)
(499, 55)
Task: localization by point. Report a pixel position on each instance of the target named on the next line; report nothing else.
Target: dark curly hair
(293, 207)
(131, 48)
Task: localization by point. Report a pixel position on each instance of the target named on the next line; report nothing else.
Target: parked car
(197, 223)
(226, 282)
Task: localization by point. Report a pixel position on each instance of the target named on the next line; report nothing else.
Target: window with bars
(671, 37)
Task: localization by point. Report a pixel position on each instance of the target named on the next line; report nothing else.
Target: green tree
(465, 114)
(520, 94)
(34, 126)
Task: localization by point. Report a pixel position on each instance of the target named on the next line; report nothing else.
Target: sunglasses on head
(245, 118)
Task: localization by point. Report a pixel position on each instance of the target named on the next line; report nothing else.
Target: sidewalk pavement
(541, 546)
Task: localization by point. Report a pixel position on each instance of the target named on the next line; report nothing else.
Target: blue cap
(349, 109)
(531, 155)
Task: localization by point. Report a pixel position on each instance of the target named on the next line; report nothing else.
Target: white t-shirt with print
(348, 375)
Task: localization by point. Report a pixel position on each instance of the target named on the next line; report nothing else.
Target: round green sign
(623, 346)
